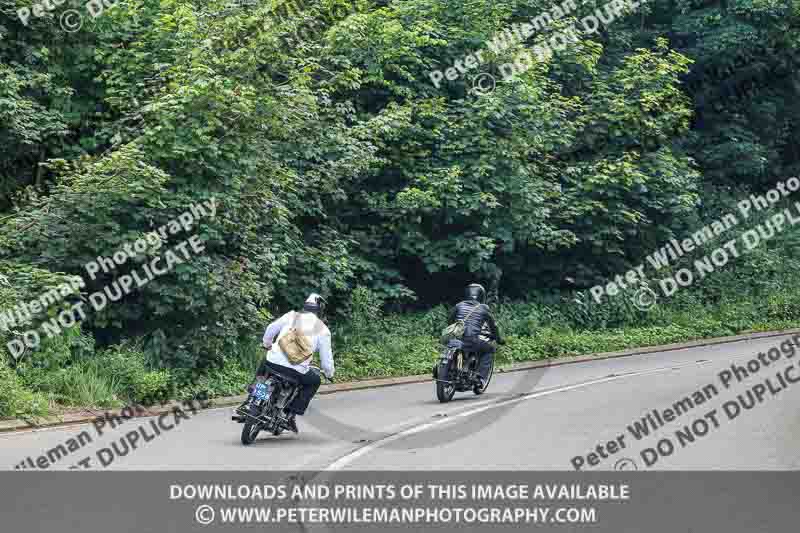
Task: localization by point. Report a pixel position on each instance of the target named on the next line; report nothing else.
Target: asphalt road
(545, 419)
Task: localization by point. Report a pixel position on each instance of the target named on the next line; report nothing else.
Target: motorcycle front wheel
(444, 391)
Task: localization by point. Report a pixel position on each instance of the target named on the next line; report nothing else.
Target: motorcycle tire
(251, 429)
(444, 391)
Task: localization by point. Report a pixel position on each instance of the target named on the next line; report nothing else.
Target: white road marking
(360, 452)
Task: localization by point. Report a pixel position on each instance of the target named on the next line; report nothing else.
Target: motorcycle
(457, 371)
(264, 408)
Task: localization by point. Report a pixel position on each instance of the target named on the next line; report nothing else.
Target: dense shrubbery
(15, 400)
(337, 164)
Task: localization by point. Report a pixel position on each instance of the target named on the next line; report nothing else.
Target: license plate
(261, 392)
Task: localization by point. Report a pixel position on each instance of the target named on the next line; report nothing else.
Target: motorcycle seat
(283, 377)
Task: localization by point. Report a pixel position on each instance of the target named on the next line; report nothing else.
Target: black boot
(291, 424)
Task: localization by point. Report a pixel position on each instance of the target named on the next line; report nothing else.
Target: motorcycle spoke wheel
(249, 433)
(445, 391)
(251, 429)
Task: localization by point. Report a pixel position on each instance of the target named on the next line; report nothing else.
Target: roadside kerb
(85, 416)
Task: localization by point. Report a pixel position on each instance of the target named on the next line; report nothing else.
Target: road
(544, 419)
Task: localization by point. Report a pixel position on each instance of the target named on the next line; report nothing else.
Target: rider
(311, 325)
(474, 326)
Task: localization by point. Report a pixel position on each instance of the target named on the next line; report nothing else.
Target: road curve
(580, 415)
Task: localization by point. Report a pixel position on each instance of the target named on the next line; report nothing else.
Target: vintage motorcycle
(263, 409)
(457, 370)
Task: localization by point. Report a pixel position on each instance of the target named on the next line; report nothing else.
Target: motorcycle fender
(447, 355)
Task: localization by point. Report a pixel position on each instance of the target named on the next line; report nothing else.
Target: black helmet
(476, 292)
(315, 304)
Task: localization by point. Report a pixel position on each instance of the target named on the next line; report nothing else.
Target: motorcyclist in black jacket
(476, 316)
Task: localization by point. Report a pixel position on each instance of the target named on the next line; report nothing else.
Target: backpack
(295, 345)
(456, 329)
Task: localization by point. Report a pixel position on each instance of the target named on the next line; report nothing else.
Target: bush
(80, 385)
(226, 380)
(59, 369)
(133, 382)
(15, 400)
(784, 305)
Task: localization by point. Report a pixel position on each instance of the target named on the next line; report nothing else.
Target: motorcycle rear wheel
(250, 430)
(444, 391)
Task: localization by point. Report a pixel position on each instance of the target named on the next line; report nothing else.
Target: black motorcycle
(264, 408)
(457, 370)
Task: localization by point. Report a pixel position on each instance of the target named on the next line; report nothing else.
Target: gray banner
(669, 502)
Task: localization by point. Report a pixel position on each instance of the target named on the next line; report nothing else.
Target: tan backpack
(295, 345)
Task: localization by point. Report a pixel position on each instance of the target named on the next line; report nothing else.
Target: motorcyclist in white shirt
(309, 322)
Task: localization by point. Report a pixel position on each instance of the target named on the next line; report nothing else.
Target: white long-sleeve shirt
(313, 328)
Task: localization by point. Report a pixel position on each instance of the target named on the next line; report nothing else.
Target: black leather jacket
(475, 324)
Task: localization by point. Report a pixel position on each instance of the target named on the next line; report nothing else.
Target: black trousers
(485, 350)
(309, 383)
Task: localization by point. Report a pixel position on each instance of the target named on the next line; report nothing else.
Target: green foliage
(364, 311)
(133, 382)
(339, 168)
(15, 400)
(111, 378)
(743, 87)
(226, 380)
(784, 305)
(79, 385)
